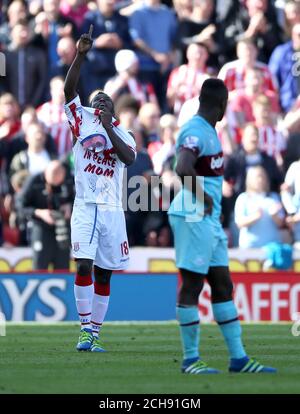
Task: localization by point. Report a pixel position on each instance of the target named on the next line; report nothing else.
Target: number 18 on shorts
(100, 234)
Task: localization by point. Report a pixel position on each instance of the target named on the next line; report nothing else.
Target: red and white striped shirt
(142, 92)
(54, 119)
(187, 82)
(271, 141)
(233, 74)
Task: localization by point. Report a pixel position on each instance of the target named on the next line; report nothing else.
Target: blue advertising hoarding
(49, 297)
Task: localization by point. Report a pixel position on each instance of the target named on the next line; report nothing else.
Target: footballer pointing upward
(101, 150)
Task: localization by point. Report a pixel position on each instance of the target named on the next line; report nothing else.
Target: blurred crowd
(151, 57)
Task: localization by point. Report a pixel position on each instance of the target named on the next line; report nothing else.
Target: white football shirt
(98, 170)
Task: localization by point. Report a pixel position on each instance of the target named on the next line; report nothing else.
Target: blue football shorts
(199, 245)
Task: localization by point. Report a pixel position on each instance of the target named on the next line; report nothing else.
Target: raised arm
(83, 46)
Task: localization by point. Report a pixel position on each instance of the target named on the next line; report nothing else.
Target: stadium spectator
(233, 73)
(201, 27)
(50, 26)
(291, 16)
(35, 158)
(26, 68)
(35, 7)
(9, 116)
(228, 18)
(237, 165)
(183, 9)
(154, 47)
(185, 81)
(74, 10)
(252, 19)
(126, 81)
(110, 35)
(52, 115)
(143, 226)
(258, 212)
(156, 227)
(127, 110)
(16, 229)
(290, 195)
(46, 200)
(66, 50)
(149, 116)
(263, 27)
(188, 109)
(18, 142)
(200, 23)
(271, 139)
(242, 102)
(16, 13)
(141, 170)
(285, 68)
(9, 125)
(228, 132)
(249, 155)
(162, 151)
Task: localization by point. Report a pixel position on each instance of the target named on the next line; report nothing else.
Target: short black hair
(98, 92)
(213, 92)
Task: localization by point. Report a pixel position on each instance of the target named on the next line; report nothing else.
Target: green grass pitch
(142, 358)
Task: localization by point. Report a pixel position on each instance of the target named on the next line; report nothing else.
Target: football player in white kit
(101, 149)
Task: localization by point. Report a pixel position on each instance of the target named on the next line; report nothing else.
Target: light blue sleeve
(190, 138)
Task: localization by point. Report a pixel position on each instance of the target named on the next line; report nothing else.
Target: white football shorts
(99, 233)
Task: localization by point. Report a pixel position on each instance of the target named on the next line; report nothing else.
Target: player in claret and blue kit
(200, 242)
(101, 150)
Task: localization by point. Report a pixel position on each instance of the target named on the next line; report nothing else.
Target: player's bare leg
(188, 318)
(100, 304)
(225, 314)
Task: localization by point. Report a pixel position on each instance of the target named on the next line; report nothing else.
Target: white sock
(84, 297)
(99, 309)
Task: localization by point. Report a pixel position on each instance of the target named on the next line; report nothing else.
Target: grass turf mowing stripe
(141, 358)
